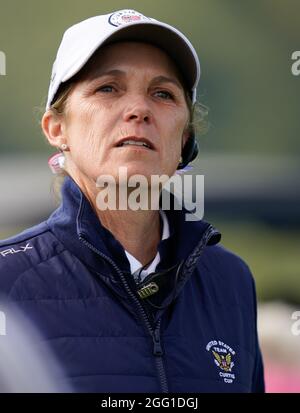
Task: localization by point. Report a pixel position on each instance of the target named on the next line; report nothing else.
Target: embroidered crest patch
(223, 359)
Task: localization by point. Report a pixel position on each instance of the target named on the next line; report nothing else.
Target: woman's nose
(139, 111)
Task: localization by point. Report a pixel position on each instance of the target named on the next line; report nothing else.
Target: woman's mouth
(135, 142)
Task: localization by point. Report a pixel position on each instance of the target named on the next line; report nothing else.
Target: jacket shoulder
(24, 235)
(24, 251)
(229, 273)
(226, 261)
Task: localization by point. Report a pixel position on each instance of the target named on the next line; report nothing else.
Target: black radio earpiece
(189, 151)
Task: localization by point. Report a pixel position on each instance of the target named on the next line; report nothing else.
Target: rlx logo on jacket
(13, 251)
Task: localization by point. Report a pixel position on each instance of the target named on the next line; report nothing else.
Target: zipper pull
(157, 348)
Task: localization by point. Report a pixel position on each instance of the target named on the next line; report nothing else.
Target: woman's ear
(53, 128)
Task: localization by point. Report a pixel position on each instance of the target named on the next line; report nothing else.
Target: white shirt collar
(135, 264)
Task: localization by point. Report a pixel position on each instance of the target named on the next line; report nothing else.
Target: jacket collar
(75, 219)
(77, 226)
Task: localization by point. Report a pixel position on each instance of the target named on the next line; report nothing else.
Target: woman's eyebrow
(114, 72)
(166, 79)
(157, 79)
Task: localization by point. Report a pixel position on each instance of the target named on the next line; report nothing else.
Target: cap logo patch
(123, 17)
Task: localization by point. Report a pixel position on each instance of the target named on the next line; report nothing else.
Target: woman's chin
(141, 171)
(137, 168)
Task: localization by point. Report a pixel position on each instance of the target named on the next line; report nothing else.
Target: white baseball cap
(80, 42)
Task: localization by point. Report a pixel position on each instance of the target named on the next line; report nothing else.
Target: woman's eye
(105, 88)
(165, 95)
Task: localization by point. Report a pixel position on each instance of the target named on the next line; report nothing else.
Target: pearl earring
(64, 147)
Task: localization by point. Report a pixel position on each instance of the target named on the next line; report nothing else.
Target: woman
(131, 300)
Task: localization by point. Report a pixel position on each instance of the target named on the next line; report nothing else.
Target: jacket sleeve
(258, 382)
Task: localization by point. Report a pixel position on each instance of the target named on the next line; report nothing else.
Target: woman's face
(128, 91)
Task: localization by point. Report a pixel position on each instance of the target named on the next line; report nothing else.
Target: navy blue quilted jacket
(197, 333)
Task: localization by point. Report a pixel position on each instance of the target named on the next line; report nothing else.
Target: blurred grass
(272, 255)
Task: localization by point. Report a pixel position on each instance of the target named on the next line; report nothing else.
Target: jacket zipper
(154, 333)
(158, 352)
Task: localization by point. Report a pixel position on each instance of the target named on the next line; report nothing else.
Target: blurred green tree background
(245, 50)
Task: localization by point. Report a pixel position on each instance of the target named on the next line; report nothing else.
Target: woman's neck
(138, 232)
